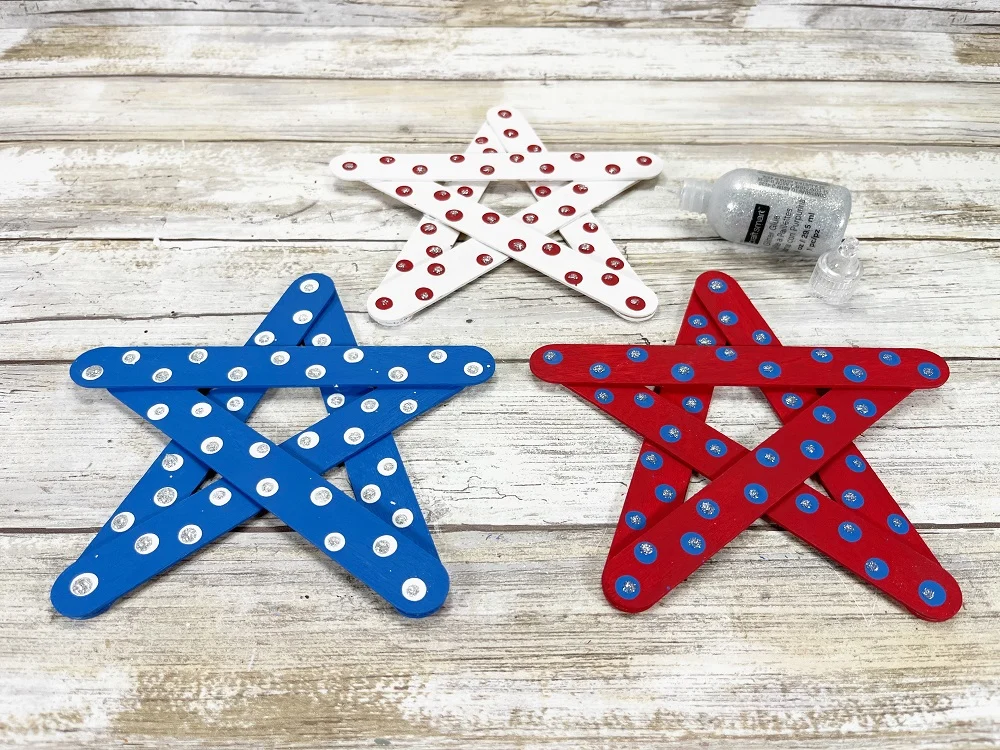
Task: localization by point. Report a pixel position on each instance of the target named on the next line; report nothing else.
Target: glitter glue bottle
(786, 214)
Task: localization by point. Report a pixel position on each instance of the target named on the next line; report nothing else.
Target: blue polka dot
(692, 543)
(897, 524)
(755, 493)
(707, 508)
(637, 354)
(932, 593)
(792, 401)
(645, 400)
(692, 405)
(855, 463)
(604, 396)
(645, 553)
(682, 372)
(852, 499)
(807, 503)
(811, 449)
(599, 370)
(824, 415)
(635, 520)
(697, 321)
(888, 358)
(718, 286)
(876, 568)
(929, 370)
(726, 353)
(821, 355)
(865, 408)
(665, 493)
(768, 457)
(716, 448)
(705, 340)
(670, 433)
(627, 587)
(728, 318)
(849, 532)
(552, 357)
(651, 460)
(855, 373)
(769, 370)
(762, 337)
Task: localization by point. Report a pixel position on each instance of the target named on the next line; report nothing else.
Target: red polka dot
(482, 139)
(580, 189)
(517, 245)
(349, 165)
(453, 215)
(487, 169)
(404, 265)
(610, 279)
(436, 269)
(442, 195)
(576, 156)
(420, 169)
(491, 218)
(387, 160)
(457, 158)
(465, 190)
(573, 278)
(551, 248)
(504, 113)
(383, 303)
(546, 169)
(590, 227)
(616, 264)
(434, 251)
(404, 190)
(516, 158)
(586, 248)
(428, 228)
(567, 210)
(484, 259)
(612, 169)
(542, 191)
(644, 161)
(423, 293)
(489, 150)
(510, 133)
(529, 218)
(534, 149)
(636, 303)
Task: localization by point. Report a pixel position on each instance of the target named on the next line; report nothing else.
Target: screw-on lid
(837, 273)
(695, 195)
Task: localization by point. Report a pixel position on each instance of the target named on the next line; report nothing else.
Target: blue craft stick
(261, 367)
(175, 473)
(402, 572)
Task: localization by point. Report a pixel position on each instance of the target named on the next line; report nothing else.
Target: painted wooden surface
(160, 184)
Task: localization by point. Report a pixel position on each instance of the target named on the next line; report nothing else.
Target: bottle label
(757, 223)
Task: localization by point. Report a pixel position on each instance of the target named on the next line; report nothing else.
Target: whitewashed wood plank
(737, 112)
(260, 640)
(269, 191)
(512, 453)
(498, 53)
(972, 16)
(60, 298)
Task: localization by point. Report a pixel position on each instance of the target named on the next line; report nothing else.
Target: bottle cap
(837, 273)
(695, 195)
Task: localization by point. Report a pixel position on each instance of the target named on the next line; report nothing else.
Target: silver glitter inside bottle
(771, 210)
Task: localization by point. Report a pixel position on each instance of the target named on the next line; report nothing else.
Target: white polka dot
(370, 493)
(309, 286)
(472, 369)
(211, 445)
(146, 543)
(353, 355)
(131, 357)
(235, 403)
(402, 518)
(259, 450)
(437, 356)
(302, 317)
(280, 358)
(172, 462)
(321, 339)
(83, 584)
(354, 435)
(321, 496)
(157, 412)
(384, 545)
(414, 589)
(398, 374)
(408, 406)
(334, 542)
(335, 400)
(315, 372)
(264, 338)
(237, 374)
(162, 375)
(93, 372)
(307, 440)
(201, 409)
(197, 356)
(266, 487)
(165, 497)
(122, 521)
(387, 467)
(220, 496)
(189, 534)
(369, 405)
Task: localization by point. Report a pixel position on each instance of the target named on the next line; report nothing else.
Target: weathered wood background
(208, 124)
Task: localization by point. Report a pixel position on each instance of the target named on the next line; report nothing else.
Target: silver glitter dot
(267, 487)
(237, 374)
(198, 356)
(220, 496)
(264, 338)
(172, 462)
(321, 496)
(165, 497)
(335, 400)
(321, 339)
(122, 521)
(334, 542)
(259, 450)
(354, 435)
(398, 374)
(189, 534)
(384, 545)
(235, 403)
(402, 518)
(408, 406)
(83, 584)
(309, 286)
(131, 357)
(147, 543)
(211, 445)
(162, 375)
(370, 493)
(437, 356)
(93, 372)
(201, 409)
(414, 589)
(369, 405)
(315, 372)
(302, 317)
(387, 467)
(472, 369)
(353, 355)
(307, 440)
(280, 358)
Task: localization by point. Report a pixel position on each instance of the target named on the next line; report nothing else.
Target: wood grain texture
(162, 184)
(966, 16)
(499, 54)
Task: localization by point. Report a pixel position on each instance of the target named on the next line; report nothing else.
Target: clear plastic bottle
(771, 210)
